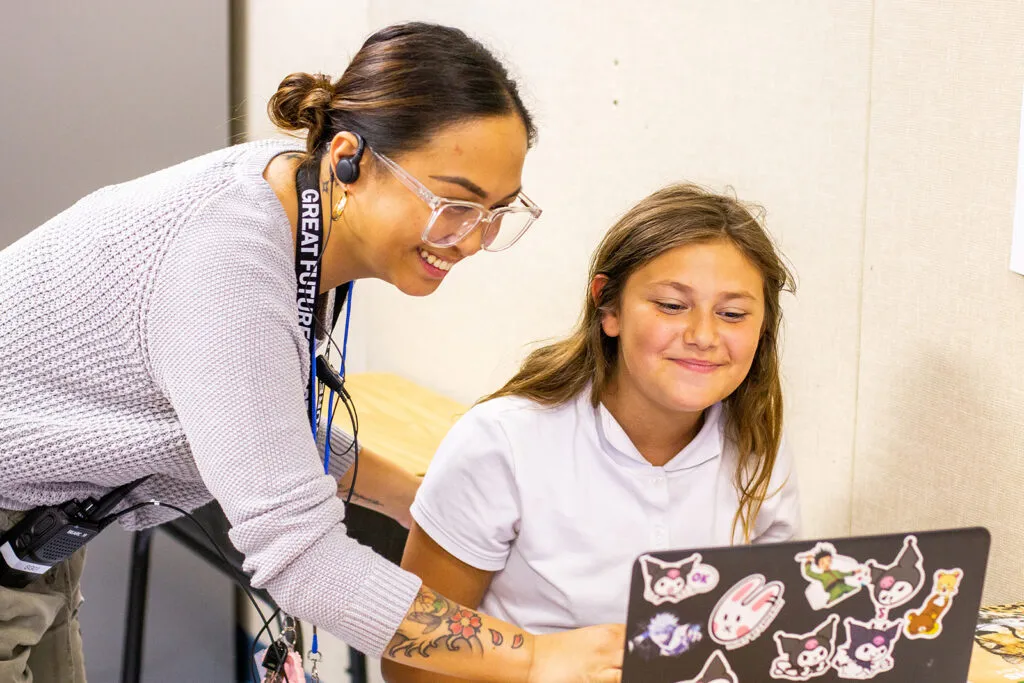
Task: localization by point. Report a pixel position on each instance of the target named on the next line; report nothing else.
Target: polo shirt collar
(705, 446)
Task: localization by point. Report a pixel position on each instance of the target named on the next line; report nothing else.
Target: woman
(152, 330)
(656, 425)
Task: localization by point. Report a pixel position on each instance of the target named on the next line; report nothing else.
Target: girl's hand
(586, 655)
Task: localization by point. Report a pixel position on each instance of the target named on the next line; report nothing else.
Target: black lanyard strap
(308, 246)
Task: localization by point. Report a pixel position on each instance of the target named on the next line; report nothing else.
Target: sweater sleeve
(224, 345)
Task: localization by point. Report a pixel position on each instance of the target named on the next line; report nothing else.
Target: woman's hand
(586, 655)
(405, 498)
(381, 485)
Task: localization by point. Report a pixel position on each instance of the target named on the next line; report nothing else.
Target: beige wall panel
(767, 97)
(940, 427)
(284, 37)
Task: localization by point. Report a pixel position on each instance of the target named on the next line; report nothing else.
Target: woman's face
(688, 326)
(480, 160)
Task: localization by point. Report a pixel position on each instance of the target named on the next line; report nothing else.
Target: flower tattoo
(434, 622)
(464, 623)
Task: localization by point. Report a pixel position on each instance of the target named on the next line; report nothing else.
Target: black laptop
(895, 608)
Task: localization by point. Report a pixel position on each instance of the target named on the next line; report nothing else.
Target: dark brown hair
(675, 216)
(407, 82)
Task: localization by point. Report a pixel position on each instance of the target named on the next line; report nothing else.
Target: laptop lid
(890, 608)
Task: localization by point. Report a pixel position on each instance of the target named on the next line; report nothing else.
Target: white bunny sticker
(745, 611)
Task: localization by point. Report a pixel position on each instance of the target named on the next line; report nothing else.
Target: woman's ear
(609, 316)
(344, 145)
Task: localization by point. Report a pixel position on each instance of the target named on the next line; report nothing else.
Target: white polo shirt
(558, 503)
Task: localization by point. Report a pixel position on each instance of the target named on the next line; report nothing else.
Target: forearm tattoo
(444, 624)
(359, 498)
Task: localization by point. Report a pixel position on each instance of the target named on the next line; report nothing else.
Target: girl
(657, 424)
(152, 330)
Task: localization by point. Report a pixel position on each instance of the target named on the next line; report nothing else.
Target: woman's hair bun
(301, 102)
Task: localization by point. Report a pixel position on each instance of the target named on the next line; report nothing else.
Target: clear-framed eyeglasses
(452, 220)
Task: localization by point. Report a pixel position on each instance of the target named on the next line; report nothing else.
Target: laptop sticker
(664, 636)
(831, 577)
(926, 622)
(745, 611)
(896, 584)
(675, 581)
(867, 651)
(807, 655)
(716, 670)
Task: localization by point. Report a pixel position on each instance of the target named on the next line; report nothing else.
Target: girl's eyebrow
(686, 289)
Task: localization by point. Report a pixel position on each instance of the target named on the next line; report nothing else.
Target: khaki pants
(40, 640)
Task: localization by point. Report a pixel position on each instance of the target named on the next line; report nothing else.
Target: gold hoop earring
(339, 208)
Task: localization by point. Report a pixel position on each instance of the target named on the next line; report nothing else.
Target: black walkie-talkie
(50, 534)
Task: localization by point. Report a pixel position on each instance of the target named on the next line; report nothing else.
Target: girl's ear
(609, 318)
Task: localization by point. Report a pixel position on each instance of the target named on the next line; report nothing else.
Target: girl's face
(688, 325)
(479, 161)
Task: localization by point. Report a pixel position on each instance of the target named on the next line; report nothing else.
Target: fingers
(615, 650)
(615, 635)
(610, 633)
(617, 630)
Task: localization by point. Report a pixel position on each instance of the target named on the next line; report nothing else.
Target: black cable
(252, 646)
(353, 416)
(240, 578)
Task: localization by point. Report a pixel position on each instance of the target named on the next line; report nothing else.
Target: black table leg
(356, 666)
(131, 658)
(387, 537)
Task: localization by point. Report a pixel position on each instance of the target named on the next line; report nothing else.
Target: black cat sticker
(716, 670)
(896, 584)
(807, 655)
(675, 581)
(867, 651)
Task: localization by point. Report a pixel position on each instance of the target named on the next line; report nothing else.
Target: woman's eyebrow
(464, 183)
(468, 184)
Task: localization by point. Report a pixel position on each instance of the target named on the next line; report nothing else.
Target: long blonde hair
(675, 216)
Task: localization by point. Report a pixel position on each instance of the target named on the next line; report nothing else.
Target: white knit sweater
(152, 328)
